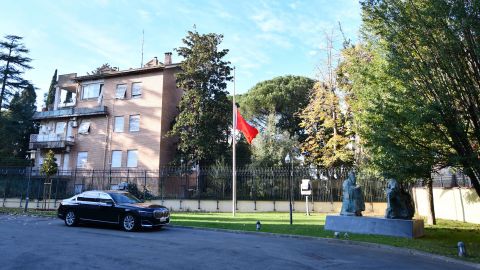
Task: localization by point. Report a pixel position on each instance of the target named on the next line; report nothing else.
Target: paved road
(45, 243)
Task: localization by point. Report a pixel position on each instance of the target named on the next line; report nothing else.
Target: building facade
(111, 120)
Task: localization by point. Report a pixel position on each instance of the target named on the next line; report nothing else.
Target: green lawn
(439, 239)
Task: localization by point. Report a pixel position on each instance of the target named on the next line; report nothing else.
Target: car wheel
(129, 223)
(70, 219)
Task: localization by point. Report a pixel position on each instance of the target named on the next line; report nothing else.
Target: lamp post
(28, 185)
(290, 169)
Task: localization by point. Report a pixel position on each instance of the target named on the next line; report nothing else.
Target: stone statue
(352, 204)
(399, 202)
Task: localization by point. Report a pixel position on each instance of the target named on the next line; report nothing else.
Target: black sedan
(115, 207)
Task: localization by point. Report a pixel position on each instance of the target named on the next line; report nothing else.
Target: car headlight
(145, 213)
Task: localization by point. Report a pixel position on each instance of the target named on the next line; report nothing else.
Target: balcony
(70, 112)
(50, 141)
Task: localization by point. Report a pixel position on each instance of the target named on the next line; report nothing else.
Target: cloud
(268, 22)
(144, 15)
(276, 39)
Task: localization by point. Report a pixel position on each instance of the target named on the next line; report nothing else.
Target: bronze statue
(353, 203)
(399, 202)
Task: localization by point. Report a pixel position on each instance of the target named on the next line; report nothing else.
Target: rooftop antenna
(143, 39)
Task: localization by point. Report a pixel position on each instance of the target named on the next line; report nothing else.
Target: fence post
(253, 192)
(74, 180)
(144, 184)
(38, 196)
(56, 191)
(198, 186)
(5, 191)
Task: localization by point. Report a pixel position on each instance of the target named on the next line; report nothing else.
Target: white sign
(306, 187)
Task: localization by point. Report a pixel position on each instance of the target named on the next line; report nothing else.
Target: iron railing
(50, 141)
(214, 183)
(70, 112)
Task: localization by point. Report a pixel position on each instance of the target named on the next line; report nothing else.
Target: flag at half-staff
(248, 131)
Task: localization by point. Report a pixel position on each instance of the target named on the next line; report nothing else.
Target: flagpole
(234, 156)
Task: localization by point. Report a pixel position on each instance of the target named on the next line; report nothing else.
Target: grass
(439, 239)
(31, 212)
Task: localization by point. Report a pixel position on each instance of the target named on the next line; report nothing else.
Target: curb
(341, 241)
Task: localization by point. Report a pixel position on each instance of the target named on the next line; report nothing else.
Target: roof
(132, 71)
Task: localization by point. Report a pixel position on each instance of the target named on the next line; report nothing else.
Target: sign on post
(306, 189)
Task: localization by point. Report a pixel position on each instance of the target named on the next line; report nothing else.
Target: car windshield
(124, 198)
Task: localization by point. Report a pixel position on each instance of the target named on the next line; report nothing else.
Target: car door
(107, 210)
(88, 205)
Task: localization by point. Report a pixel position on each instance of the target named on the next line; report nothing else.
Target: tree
(49, 168)
(284, 96)
(432, 47)
(13, 64)
(328, 143)
(202, 125)
(396, 130)
(22, 108)
(102, 69)
(51, 91)
(327, 126)
(272, 145)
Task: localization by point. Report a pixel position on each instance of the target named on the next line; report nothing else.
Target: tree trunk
(431, 220)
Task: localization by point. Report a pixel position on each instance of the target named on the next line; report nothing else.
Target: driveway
(46, 243)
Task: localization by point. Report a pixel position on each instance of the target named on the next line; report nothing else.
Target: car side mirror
(110, 203)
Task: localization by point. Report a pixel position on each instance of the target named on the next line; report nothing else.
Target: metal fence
(185, 183)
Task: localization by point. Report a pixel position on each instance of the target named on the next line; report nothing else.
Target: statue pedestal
(375, 225)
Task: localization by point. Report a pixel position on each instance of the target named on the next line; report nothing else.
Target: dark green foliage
(143, 195)
(13, 63)
(284, 96)
(101, 69)
(202, 126)
(432, 47)
(51, 91)
(17, 125)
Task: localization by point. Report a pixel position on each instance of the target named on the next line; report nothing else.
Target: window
(134, 123)
(82, 158)
(118, 125)
(120, 91)
(60, 128)
(87, 199)
(116, 159)
(84, 128)
(136, 90)
(91, 90)
(132, 158)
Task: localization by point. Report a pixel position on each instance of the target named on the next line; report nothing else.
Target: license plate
(163, 219)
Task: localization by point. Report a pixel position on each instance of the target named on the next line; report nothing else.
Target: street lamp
(28, 183)
(290, 160)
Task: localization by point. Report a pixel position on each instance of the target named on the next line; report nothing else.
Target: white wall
(371, 209)
(461, 204)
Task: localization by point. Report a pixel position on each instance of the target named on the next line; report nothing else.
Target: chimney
(156, 61)
(168, 58)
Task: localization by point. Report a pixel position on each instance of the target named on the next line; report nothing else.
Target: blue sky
(265, 38)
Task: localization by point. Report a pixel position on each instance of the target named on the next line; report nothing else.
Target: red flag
(247, 130)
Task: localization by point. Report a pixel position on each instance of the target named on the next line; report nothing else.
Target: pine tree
(22, 108)
(202, 125)
(13, 63)
(51, 91)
